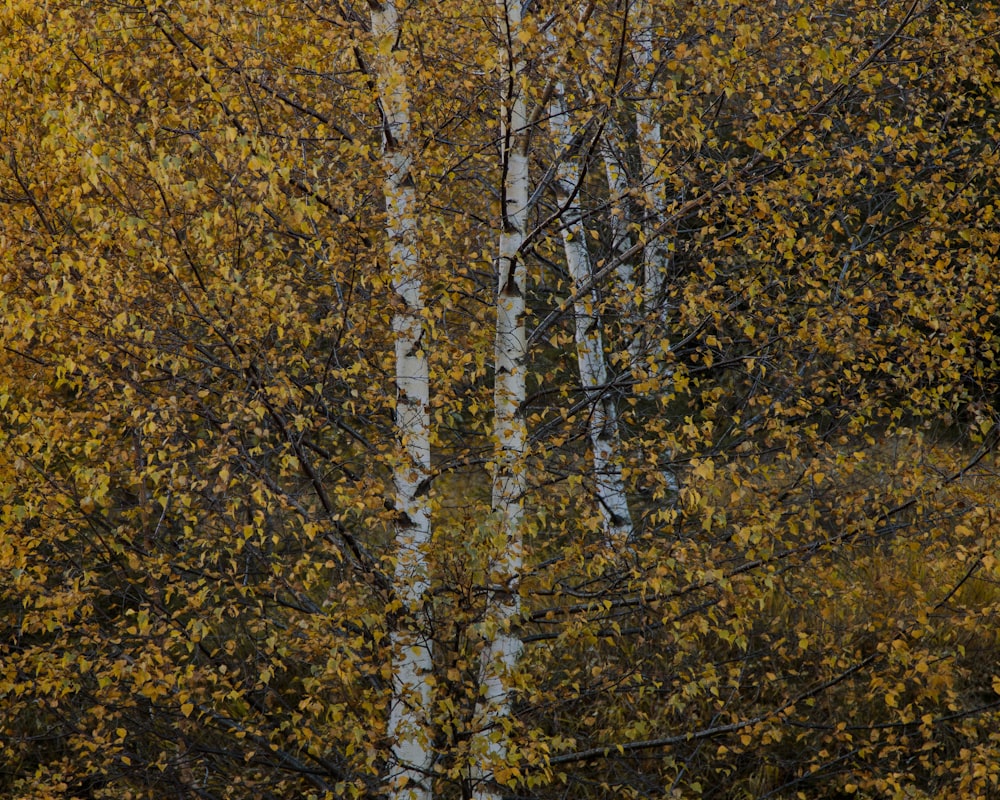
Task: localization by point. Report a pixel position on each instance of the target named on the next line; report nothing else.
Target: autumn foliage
(210, 474)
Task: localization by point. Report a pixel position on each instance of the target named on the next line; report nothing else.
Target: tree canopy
(499, 400)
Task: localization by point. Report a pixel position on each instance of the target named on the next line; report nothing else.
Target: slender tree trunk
(411, 695)
(502, 646)
(657, 256)
(612, 153)
(656, 250)
(605, 441)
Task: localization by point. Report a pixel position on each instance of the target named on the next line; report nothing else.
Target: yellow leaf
(705, 470)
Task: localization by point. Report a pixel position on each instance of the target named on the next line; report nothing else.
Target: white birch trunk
(656, 250)
(502, 646)
(411, 690)
(605, 441)
(613, 155)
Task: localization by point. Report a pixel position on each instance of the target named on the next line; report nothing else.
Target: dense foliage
(789, 216)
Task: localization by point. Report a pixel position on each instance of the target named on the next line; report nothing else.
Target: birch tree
(656, 250)
(613, 153)
(502, 646)
(412, 668)
(605, 440)
(655, 334)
